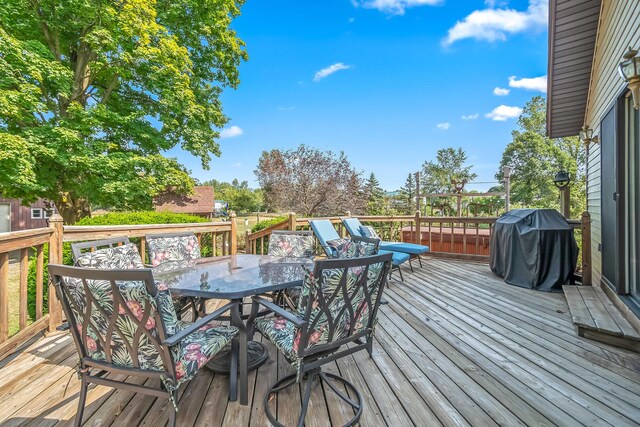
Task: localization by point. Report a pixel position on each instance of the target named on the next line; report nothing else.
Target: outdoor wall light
(562, 179)
(630, 72)
(587, 136)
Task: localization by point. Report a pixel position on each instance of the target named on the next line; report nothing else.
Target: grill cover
(534, 248)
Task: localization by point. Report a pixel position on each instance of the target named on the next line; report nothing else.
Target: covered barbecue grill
(534, 248)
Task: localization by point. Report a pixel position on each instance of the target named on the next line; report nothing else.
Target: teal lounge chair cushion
(408, 248)
(397, 257)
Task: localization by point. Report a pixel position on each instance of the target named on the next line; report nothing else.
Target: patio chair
(329, 239)
(172, 247)
(289, 243)
(355, 228)
(338, 307)
(124, 323)
(82, 248)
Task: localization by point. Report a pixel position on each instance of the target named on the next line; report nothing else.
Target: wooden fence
(223, 242)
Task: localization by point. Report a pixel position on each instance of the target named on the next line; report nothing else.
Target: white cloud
(231, 132)
(393, 7)
(495, 24)
(443, 126)
(503, 112)
(536, 83)
(501, 91)
(471, 116)
(352, 20)
(327, 71)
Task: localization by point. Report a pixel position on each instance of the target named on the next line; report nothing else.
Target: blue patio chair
(327, 234)
(355, 228)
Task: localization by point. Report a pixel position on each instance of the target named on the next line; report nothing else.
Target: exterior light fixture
(630, 71)
(562, 179)
(587, 136)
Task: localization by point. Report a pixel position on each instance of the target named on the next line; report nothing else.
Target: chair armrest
(176, 338)
(279, 311)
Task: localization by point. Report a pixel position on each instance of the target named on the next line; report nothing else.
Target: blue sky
(388, 82)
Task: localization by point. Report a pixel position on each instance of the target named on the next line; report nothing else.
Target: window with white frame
(37, 213)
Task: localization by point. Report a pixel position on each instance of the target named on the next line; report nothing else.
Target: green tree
(375, 196)
(450, 165)
(238, 195)
(535, 159)
(406, 198)
(92, 92)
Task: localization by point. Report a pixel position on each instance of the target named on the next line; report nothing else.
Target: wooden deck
(455, 346)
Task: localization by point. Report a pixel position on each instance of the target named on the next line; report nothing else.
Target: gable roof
(200, 202)
(573, 28)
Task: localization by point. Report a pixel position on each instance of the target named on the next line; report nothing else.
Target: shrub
(114, 218)
(261, 225)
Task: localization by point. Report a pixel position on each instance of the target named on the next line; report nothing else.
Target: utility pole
(417, 175)
(506, 170)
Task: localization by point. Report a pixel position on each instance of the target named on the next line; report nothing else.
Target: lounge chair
(325, 232)
(354, 228)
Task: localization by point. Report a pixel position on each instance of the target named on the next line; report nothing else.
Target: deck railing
(457, 237)
(223, 241)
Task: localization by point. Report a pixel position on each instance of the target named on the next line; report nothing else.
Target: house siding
(21, 215)
(612, 42)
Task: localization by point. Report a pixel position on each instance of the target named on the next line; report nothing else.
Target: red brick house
(201, 202)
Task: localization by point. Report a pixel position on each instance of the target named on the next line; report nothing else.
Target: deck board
(455, 346)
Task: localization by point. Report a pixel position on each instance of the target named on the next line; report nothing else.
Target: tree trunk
(72, 209)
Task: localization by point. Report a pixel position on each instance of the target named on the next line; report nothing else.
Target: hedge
(114, 218)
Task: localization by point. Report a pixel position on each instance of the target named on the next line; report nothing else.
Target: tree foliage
(310, 182)
(376, 200)
(450, 165)
(406, 197)
(535, 159)
(93, 92)
(238, 195)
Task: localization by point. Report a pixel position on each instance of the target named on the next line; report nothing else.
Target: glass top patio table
(232, 276)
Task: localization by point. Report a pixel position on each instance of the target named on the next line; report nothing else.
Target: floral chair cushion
(173, 248)
(291, 245)
(188, 356)
(286, 336)
(124, 257)
(345, 248)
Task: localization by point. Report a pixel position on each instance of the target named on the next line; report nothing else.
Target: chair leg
(420, 260)
(306, 397)
(400, 271)
(81, 399)
(410, 264)
(173, 413)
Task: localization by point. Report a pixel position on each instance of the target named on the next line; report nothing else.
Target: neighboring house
(220, 207)
(201, 202)
(587, 40)
(15, 217)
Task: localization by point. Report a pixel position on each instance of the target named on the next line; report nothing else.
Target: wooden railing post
(4, 296)
(234, 234)
(586, 249)
(292, 221)
(55, 257)
(418, 237)
(247, 242)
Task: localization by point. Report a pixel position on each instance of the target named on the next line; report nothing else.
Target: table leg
(233, 372)
(236, 318)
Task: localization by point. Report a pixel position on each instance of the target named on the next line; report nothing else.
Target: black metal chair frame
(93, 245)
(313, 358)
(93, 371)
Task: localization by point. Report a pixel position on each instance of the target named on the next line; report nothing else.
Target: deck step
(597, 318)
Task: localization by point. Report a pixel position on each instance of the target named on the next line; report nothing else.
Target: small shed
(14, 216)
(201, 202)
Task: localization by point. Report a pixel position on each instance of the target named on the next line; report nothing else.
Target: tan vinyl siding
(613, 41)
